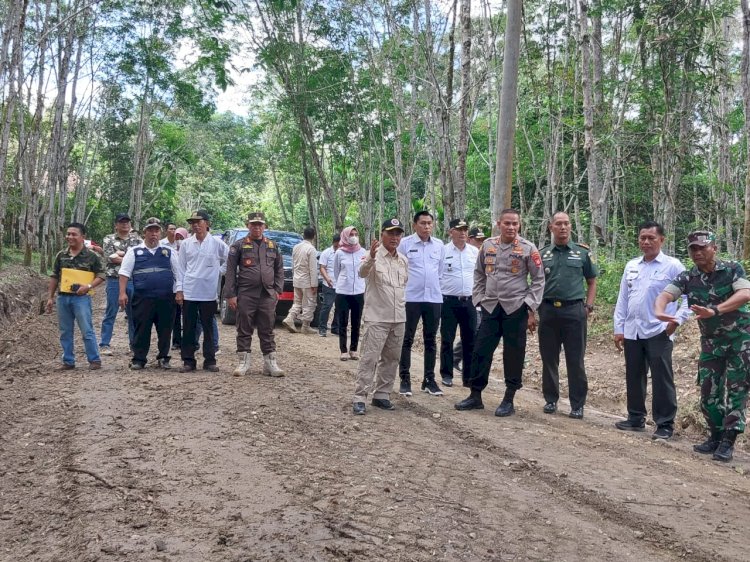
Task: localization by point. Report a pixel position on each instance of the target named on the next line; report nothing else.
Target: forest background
(358, 110)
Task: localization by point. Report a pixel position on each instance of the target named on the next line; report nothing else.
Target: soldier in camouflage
(718, 292)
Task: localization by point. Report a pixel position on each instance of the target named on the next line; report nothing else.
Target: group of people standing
(491, 289)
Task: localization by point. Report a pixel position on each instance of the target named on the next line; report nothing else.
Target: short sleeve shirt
(714, 288)
(85, 260)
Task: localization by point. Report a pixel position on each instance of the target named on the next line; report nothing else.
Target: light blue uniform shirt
(641, 283)
(458, 270)
(425, 268)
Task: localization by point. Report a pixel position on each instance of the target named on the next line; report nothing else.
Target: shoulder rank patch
(536, 258)
(584, 246)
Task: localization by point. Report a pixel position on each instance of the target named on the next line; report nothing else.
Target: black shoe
(187, 368)
(214, 368)
(708, 446)
(663, 432)
(382, 403)
(358, 408)
(446, 381)
(576, 414)
(163, 363)
(458, 367)
(473, 402)
(335, 332)
(550, 408)
(505, 409)
(136, 366)
(432, 388)
(724, 451)
(631, 425)
(405, 388)
(175, 346)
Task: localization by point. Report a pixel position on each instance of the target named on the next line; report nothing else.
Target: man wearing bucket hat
(718, 292)
(253, 283)
(153, 269)
(200, 259)
(385, 271)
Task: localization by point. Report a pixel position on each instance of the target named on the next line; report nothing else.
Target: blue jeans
(108, 322)
(70, 310)
(199, 331)
(329, 295)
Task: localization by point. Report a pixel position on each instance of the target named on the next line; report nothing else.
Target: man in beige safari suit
(305, 281)
(385, 272)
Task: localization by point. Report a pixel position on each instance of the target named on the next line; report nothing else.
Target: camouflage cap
(256, 216)
(701, 238)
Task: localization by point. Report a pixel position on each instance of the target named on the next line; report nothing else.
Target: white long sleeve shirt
(346, 272)
(425, 268)
(641, 283)
(200, 265)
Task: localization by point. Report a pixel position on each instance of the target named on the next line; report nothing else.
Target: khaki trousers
(381, 351)
(304, 305)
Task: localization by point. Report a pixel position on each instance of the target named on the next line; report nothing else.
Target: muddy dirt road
(117, 465)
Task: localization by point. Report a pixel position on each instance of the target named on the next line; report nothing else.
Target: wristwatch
(715, 309)
(589, 307)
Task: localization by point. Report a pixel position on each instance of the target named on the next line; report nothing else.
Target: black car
(286, 241)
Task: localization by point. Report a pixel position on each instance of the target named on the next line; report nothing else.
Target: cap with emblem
(458, 223)
(122, 217)
(256, 216)
(392, 224)
(152, 222)
(476, 233)
(701, 238)
(199, 216)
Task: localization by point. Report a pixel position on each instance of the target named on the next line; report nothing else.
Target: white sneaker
(105, 350)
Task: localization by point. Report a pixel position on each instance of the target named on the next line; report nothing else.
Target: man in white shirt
(457, 284)
(325, 263)
(305, 281)
(169, 240)
(154, 271)
(424, 298)
(646, 340)
(200, 260)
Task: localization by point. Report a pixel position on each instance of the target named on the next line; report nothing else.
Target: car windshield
(285, 240)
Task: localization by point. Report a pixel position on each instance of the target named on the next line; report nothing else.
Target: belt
(150, 270)
(73, 294)
(558, 304)
(459, 299)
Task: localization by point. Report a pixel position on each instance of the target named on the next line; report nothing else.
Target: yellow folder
(72, 276)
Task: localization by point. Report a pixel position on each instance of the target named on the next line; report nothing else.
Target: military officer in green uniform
(563, 315)
(253, 283)
(718, 292)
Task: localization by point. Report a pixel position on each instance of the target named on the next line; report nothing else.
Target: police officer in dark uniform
(254, 281)
(563, 315)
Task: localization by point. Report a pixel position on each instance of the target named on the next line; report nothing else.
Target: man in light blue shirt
(457, 284)
(646, 340)
(424, 298)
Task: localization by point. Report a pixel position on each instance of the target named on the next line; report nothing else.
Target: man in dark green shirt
(73, 301)
(718, 292)
(563, 315)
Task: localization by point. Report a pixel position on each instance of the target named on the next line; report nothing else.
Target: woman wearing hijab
(350, 289)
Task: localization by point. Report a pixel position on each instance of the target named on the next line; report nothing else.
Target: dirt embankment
(153, 465)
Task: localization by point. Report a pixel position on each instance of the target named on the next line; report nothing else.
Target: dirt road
(114, 465)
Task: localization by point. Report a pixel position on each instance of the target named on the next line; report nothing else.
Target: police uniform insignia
(492, 250)
(536, 258)
(269, 243)
(489, 260)
(139, 252)
(164, 253)
(547, 270)
(247, 262)
(232, 250)
(584, 246)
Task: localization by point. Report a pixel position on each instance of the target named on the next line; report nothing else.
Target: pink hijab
(344, 242)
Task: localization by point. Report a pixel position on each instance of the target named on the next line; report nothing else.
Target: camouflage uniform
(724, 364)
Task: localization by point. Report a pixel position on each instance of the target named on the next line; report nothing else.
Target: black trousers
(329, 296)
(565, 326)
(456, 312)
(429, 313)
(653, 353)
(512, 329)
(148, 312)
(191, 310)
(177, 328)
(345, 305)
